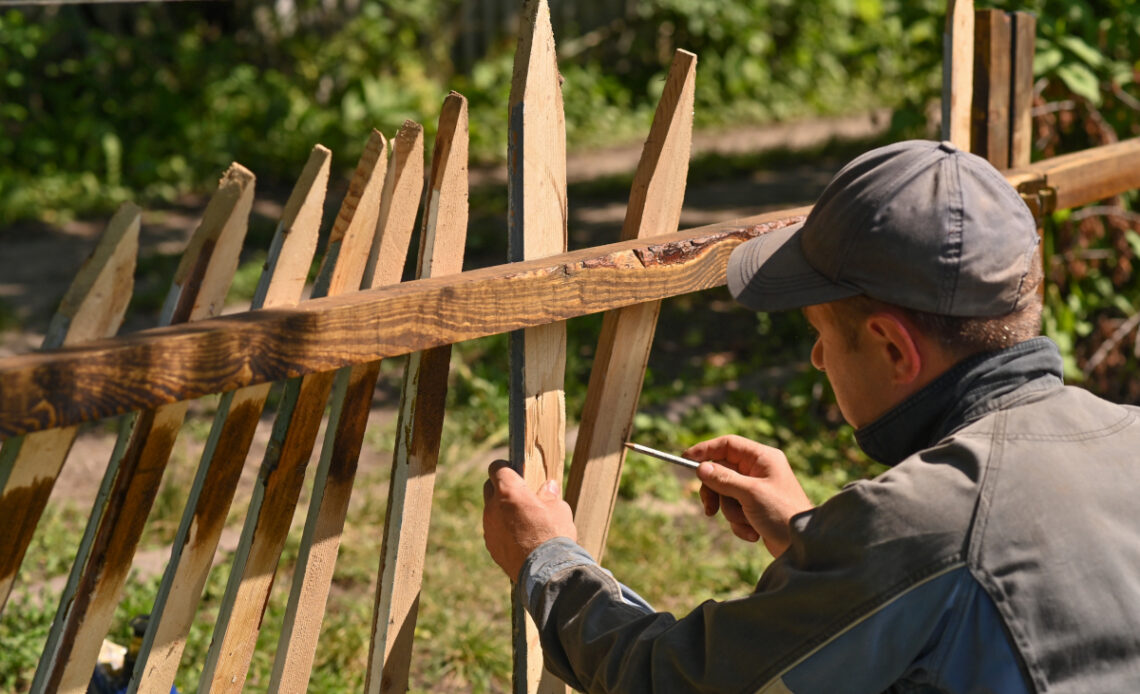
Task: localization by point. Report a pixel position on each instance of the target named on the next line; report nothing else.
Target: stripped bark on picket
(627, 333)
(92, 308)
(133, 476)
(235, 422)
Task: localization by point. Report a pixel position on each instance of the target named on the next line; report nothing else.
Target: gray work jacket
(1001, 553)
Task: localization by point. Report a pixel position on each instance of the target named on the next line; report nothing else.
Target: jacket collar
(967, 391)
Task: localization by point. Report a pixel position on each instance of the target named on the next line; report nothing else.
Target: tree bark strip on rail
(420, 424)
(627, 333)
(958, 72)
(299, 415)
(536, 221)
(344, 435)
(238, 412)
(152, 367)
(92, 308)
(133, 476)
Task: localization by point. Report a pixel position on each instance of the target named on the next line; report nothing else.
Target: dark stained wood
(133, 476)
(299, 416)
(92, 308)
(235, 422)
(990, 132)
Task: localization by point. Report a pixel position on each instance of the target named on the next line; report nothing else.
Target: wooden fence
(330, 346)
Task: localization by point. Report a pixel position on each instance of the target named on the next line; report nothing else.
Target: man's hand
(516, 520)
(753, 486)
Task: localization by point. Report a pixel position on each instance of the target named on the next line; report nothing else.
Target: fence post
(536, 192)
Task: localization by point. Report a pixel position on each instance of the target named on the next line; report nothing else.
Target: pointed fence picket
(45, 395)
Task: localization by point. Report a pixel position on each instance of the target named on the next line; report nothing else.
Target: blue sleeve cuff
(554, 557)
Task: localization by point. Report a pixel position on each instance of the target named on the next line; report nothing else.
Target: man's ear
(898, 344)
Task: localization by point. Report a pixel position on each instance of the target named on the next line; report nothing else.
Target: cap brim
(771, 273)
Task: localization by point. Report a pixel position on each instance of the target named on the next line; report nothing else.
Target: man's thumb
(719, 478)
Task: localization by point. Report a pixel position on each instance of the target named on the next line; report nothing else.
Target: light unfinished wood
(299, 415)
(344, 434)
(192, 551)
(1024, 34)
(93, 307)
(1083, 177)
(990, 132)
(627, 333)
(133, 475)
(420, 424)
(958, 72)
(536, 192)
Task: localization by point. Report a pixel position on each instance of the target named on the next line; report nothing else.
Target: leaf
(1086, 53)
(1081, 81)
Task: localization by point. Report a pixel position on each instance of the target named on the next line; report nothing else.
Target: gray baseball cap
(917, 224)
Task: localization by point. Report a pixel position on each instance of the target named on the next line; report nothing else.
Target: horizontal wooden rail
(153, 367)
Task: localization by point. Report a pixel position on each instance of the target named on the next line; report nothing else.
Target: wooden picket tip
(992, 69)
(344, 434)
(93, 307)
(419, 427)
(235, 422)
(1023, 37)
(134, 473)
(282, 473)
(627, 334)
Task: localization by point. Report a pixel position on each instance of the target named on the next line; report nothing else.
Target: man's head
(917, 254)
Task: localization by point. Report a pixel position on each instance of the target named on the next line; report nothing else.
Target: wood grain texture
(627, 333)
(135, 471)
(958, 72)
(1023, 39)
(93, 307)
(420, 423)
(536, 221)
(235, 421)
(992, 56)
(299, 416)
(344, 435)
(1087, 176)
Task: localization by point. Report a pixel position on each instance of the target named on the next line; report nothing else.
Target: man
(1001, 553)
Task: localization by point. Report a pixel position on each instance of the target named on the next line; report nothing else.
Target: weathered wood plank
(238, 412)
(1023, 38)
(627, 333)
(420, 423)
(93, 307)
(958, 72)
(990, 132)
(344, 435)
(536, 192)
(299, 415)
(110, 377)
(133, 476)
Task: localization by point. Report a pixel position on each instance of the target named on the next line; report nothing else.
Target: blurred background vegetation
(100, 104)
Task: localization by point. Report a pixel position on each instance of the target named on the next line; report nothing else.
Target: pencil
(662, 455)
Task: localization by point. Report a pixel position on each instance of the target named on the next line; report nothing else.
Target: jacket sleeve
(868, 608)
